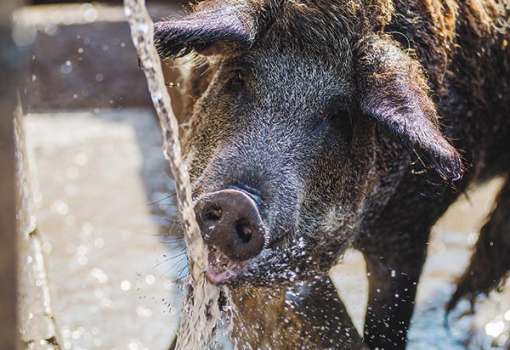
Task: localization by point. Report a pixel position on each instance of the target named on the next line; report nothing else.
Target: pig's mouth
(222, 270)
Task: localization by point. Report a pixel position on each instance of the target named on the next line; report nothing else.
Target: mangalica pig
(318, 125)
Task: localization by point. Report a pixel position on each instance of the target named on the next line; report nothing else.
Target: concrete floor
(95, 176)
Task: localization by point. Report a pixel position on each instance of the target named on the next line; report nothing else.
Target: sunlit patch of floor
(111, 272)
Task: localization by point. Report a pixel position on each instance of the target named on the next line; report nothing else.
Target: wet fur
(425, 85)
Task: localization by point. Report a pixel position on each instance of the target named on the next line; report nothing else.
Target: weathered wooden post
(10, 66)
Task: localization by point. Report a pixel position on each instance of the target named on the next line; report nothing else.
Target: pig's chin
(222, 270)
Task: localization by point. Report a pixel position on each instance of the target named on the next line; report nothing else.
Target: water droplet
(150, 279)
(125, 285)
(507, 315)
(168, 285)
(82, 249)
(76, 335)
(60, 207)
(143, 311)
(472, 238)
(82, 260)
(66, 67)
(143, 28)
(100, 275)
(494, 329)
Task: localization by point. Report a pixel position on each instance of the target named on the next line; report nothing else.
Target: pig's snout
(230, 221)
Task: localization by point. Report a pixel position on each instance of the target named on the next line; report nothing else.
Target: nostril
(244, 231)
(212, 213)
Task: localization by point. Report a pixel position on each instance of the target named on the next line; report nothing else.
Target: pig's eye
(340, 118)
(237, 81)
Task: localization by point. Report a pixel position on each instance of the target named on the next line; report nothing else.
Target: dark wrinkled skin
(359, 122)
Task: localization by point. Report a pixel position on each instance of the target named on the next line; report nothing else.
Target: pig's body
(467, 63)
(381, 184)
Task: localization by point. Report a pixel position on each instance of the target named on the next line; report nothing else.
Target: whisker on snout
(171, 196)
(170, 259)
(173, 221)
(172, 239)
(183, 274)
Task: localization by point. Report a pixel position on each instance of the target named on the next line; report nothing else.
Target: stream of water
(201, 312)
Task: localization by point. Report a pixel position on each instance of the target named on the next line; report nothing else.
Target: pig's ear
(393, 91)
(201, 30)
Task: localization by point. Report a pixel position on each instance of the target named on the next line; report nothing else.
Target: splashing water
(201, 313)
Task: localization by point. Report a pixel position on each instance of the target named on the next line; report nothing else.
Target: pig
(319, 125)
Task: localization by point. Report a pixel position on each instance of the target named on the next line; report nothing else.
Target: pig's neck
(392, 163)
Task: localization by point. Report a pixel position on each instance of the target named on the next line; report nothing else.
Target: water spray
(201, 312)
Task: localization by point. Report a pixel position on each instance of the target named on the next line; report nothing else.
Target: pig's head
(283, 140)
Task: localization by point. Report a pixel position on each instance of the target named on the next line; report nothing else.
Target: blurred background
(88, 193)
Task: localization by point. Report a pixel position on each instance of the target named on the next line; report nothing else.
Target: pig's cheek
(195, 166)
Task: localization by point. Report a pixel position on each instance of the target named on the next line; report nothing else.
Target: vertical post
(10, 64)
